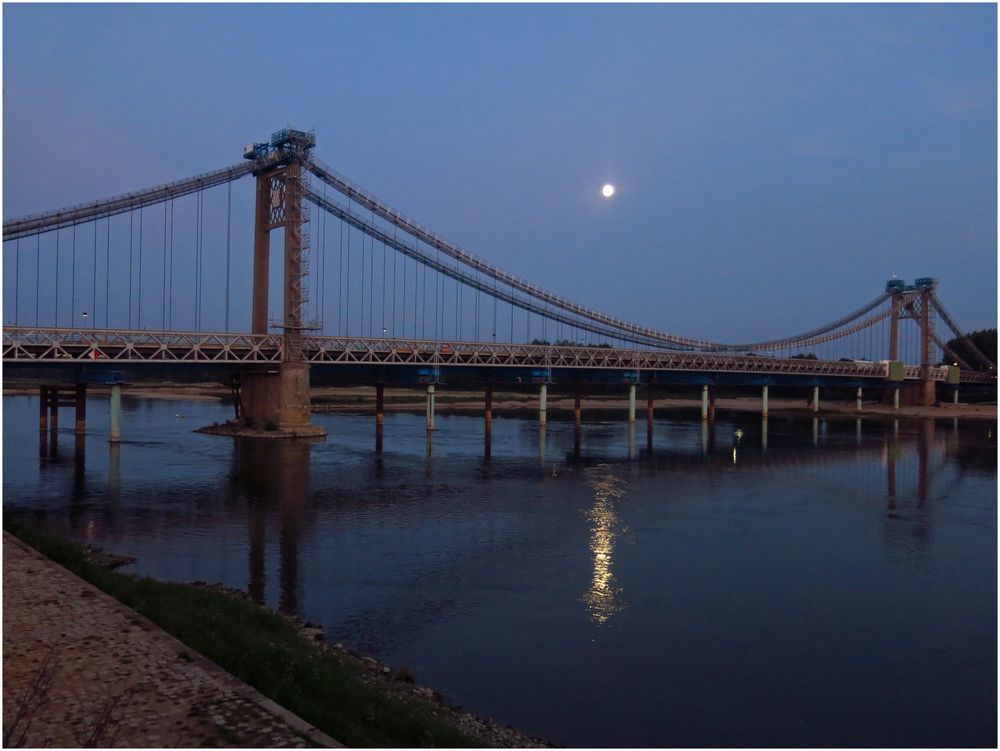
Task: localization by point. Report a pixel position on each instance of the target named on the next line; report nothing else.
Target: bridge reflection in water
(273, 480)
(274, 476)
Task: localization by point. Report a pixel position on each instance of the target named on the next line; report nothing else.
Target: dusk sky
(774, 165)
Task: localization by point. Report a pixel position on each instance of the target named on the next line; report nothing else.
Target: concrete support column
(379, 415)
(543, 390)
(488, 424)
(763, 431)
(895, 399)
(430, 406)
(763, 401)
(711, 403)
(815, 399)
(81, 408)
(577, 411)
(954, 397)
(43, 408)
(859, 398)
(54, 409)
(649, 419)
(704, 402)
(815, 431)
(631, 402)
(116, 413)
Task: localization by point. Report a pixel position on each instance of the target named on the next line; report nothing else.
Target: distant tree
(801, 356)
(984, 339)
(541, 342)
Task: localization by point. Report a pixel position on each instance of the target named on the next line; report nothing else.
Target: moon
(608, 190)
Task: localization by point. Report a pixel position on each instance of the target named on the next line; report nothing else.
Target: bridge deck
(64, 346)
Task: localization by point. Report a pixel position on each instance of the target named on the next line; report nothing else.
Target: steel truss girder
(21, 344)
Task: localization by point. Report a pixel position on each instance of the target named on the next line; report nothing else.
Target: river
(832, 585)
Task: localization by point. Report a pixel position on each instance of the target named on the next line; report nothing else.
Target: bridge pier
(631, 403)
(649, 418)
(763, 401)
(430, 406)
(542, 393)
(711, 403)
(859, 398)
(488, 423)
(577, 411)
(815, 399)
(704, 402)
(115, 434)
(379, 416)
(895, 399)
(278, 401)
(954, 396)
(43, 409)
(81, 408)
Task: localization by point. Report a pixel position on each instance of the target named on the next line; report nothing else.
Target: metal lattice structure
(88, 346)
(282, 168)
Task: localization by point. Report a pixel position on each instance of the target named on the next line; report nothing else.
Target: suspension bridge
(387, 302)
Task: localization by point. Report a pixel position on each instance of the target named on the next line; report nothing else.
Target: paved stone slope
(105, 676)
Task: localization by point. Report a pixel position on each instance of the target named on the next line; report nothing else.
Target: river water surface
(831, 584)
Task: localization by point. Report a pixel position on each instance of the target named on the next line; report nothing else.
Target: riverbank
(345, 696)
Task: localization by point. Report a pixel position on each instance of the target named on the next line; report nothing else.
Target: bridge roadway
(61, 353)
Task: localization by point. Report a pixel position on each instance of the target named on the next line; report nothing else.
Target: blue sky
(774, 164)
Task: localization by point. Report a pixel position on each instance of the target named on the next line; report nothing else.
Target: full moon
(608, 190)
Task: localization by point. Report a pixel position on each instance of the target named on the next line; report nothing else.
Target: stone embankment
(81, 669)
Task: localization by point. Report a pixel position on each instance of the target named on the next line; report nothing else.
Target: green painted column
(631, 402)
(116, 413)
(543, 390)
(430, 406)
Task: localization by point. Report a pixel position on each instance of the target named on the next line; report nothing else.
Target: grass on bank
(264, 650)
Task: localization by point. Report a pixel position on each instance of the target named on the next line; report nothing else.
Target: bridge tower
(914, 302)
(279, 398)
